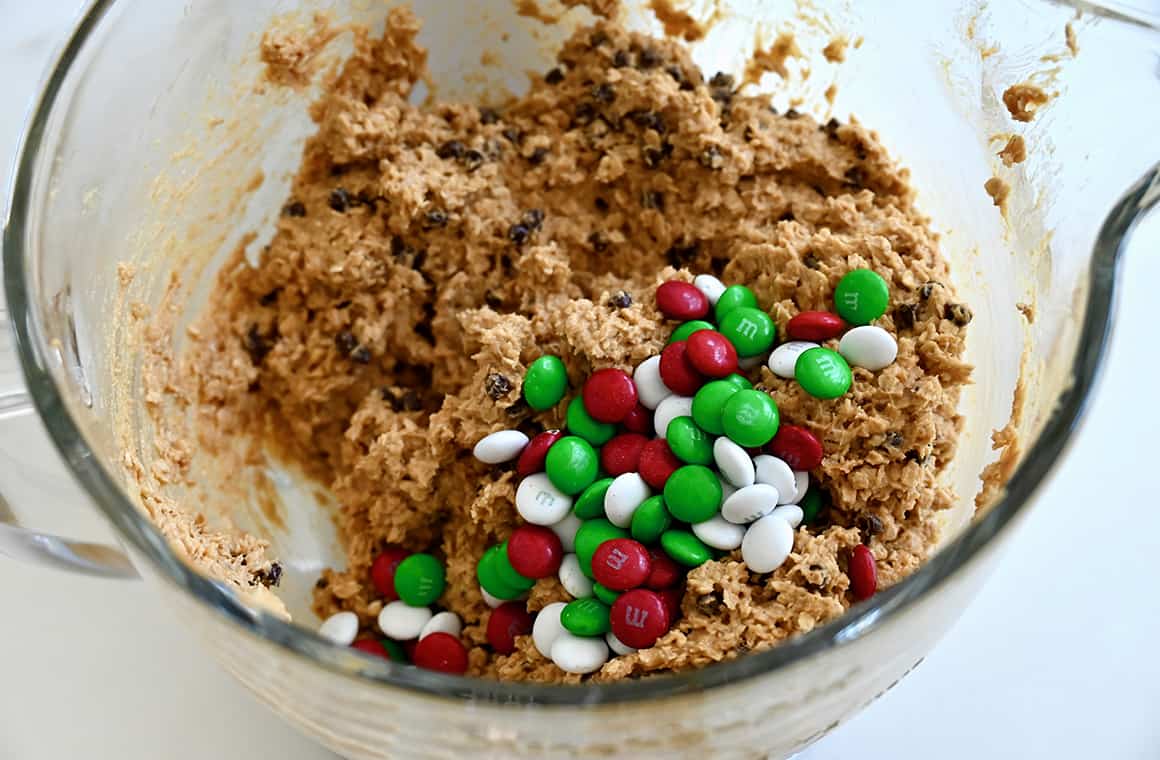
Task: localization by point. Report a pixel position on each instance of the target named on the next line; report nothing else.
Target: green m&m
(733, 297)
(693, 493)
(591, 503)
(739, 380)
(394, 650)
(545, 383)
(419, 580)
(650, 520)
(689, 442)
(750, 418)
(605, 594)
(571, 464)
(589, 536)
(583, 424)
(586, 617)
(861, 296)
(823, 373)
(688, 328)
(507, 574)
(811, 504)
(709, 403)
(749, 329)
(489, 579)
(685, 549)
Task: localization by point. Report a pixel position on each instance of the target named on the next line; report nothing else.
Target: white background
(1056, 658)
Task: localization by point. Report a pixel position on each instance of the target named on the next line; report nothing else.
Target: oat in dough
(428, 254)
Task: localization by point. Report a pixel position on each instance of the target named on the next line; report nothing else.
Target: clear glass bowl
(141, 149)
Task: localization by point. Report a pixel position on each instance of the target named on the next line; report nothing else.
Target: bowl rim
(858, 622)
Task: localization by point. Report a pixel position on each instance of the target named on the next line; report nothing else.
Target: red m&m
(609, 395)
(639, 420)
(535, 551)
(681, 301)
(507, 621)
(863, 573)
(622, 453)
(797, 447)
(665, 573)
(442, 652)
(639, 617)
(657, 463)
(815, 326)
(383, 571)
(711, 353)
(532, 457)
(621, 564)
(677, 372)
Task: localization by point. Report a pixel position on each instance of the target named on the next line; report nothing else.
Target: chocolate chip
(533, 219)
(473, 159)
(676, 72)
(496, 385)
(649, 120)
(653, 156)
(598, 38)
(519, 234)
(831, 128)
(927, 289)
(343, 304)
(856, 177)
(959, 313)
(555, 76)
(621, 299)
(894, 439)
(604, 93)
(398, 247)
(811, 261)
(860, 151)
(870, 526)
(451, 149)
(488, 116)
(339, 199)
(621, 59)
(269, 299)
(601, 204)
(362, 355)
(680, 256)
(905, 316)
(256, 345)
(653, 199)
(787, 216)
(598, 241)
(711, 158)
(538, 156)
(722, 80)
(271, 576)
(650, 58)
(435, 218)
(792, 114)
(294, 208)
(585, 113)
(345, 342)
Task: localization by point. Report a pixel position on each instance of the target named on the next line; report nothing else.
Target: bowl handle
(23, 543)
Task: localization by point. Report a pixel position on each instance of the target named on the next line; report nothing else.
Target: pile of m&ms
(409, 584)
(663, 469)
(655, 473)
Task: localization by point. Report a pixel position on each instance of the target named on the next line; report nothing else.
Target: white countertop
(1056, 657)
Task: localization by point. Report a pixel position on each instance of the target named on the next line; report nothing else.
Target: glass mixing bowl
(142, 148)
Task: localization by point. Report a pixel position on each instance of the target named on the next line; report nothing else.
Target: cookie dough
(428, 253)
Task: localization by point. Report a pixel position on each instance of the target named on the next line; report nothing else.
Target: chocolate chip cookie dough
(427, 254)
